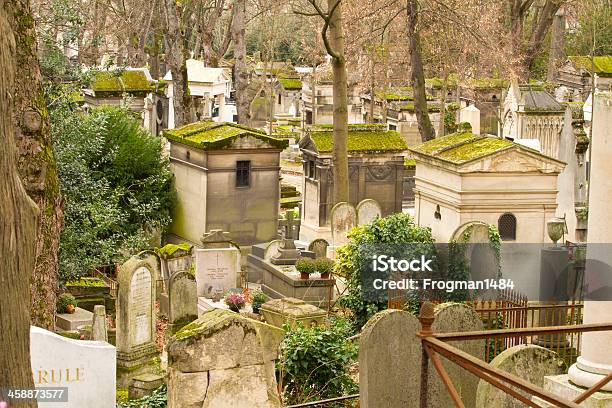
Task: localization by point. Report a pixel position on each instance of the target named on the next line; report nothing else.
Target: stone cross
(289, 225)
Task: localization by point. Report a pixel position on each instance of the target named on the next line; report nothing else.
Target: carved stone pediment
(516, 160)
(248, 142)
(379, 173)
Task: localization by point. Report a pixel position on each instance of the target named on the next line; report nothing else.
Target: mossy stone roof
(208, 135)
(360, 141)
(399, 93)
(462, 147)
(290, 83)
(601, 65)
(122, 81)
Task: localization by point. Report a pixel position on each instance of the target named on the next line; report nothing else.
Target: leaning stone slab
(72, 321)
(291, 310)
(223, 360)
(390, 361)
(527, 361)
(86, 368)
(144, 384)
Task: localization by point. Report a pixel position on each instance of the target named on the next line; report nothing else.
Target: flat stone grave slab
(144, 384)
(72, 321)
(206, 305)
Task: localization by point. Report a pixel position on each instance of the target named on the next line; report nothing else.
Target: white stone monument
(85, 368)
(217, 271)
(471, 114)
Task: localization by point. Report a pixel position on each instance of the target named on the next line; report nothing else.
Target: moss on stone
(435, 146)
(168, 250)
(208, 135)
(122, 81)
(290, 83)
(475, 149)
(601, 65)
(409, 163)
(362, 141)
(87, 282)
(121, 394)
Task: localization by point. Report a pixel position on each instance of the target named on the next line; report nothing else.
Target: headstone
(367, 211)
(272, 249)
(456, 317)
(343, 219)
(526, 361)
(183, 298)
(217, 270)
(291, 310)
(471, 115)
(136, 318)
(223, 360)
(98, 327)
(287, 252)
(319, 247)
(72, 321)
(390, 361)
(85, 368)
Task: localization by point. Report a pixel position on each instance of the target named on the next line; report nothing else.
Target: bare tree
(241, 73)
(334, 45)
(17, 234)
(36, 162)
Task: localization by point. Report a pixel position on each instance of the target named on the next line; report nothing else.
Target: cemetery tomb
(290, 310)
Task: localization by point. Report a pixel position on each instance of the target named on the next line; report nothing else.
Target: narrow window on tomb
(188, 155)
(437, 213)
(279, 99)
(243, 173)
(311, 170)
(506, 224)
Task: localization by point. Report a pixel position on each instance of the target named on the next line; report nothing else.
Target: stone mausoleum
(227, 177)
(376, 171)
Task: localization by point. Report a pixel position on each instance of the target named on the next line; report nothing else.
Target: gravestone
(390, 361)
(183, 300)
(217, 270)
(456, 317)
(319, 247)
(367, 211)
(343, 219)
(527, 361)
(291, 310)
(223, 360)
(272, 249)
(72, 321)
(287, 252)
(136, 317)
(98, 327)
(85, 368)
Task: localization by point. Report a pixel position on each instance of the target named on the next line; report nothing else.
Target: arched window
(506, 224)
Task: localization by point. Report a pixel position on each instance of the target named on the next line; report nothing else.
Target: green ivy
(314, 362)
(158, 399)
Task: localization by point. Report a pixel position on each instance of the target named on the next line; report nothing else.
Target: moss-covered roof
(399, 93)
(208, 135)
(462, 147)
(168, 250)
(361, 141)
(601, 65)
(437, 83)
(486, 83)
(122, 81)
(290, 83)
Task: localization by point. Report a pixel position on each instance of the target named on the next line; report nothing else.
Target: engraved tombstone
(367, 211)
(136, 317)
(182, 298)
(343, 219)
(217, 270)
(319, 247)
(272, 249)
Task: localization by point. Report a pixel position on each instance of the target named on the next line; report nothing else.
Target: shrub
(158, 399)
(306, 265)
(259, 298)
(63, 301)
(324, 265)
(314, 362)
(395, 231)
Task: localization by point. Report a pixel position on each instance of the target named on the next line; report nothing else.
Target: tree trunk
(175, 58)
(538, 34)
(36, 163)
(417, 76)
(557, 46)
(340, 102)
(17, 235)
(444, 90)
(241, 74)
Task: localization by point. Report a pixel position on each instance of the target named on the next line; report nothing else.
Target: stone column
(221, 103)
(595, 360)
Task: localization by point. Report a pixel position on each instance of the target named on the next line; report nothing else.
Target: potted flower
(324, 266)
(66, 303)
(235, 301)
(259, 298)
(305, 266)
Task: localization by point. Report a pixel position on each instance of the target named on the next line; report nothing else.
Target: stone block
(72, 321)
(561, 386)
(144, 384)
(291, 310)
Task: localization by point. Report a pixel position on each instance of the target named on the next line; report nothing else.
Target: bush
(324, 265)
(314, 362)
(117, 185)
(63, 301)
(395, 230)
(158, 399)
(306, 265)
(259, 298)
